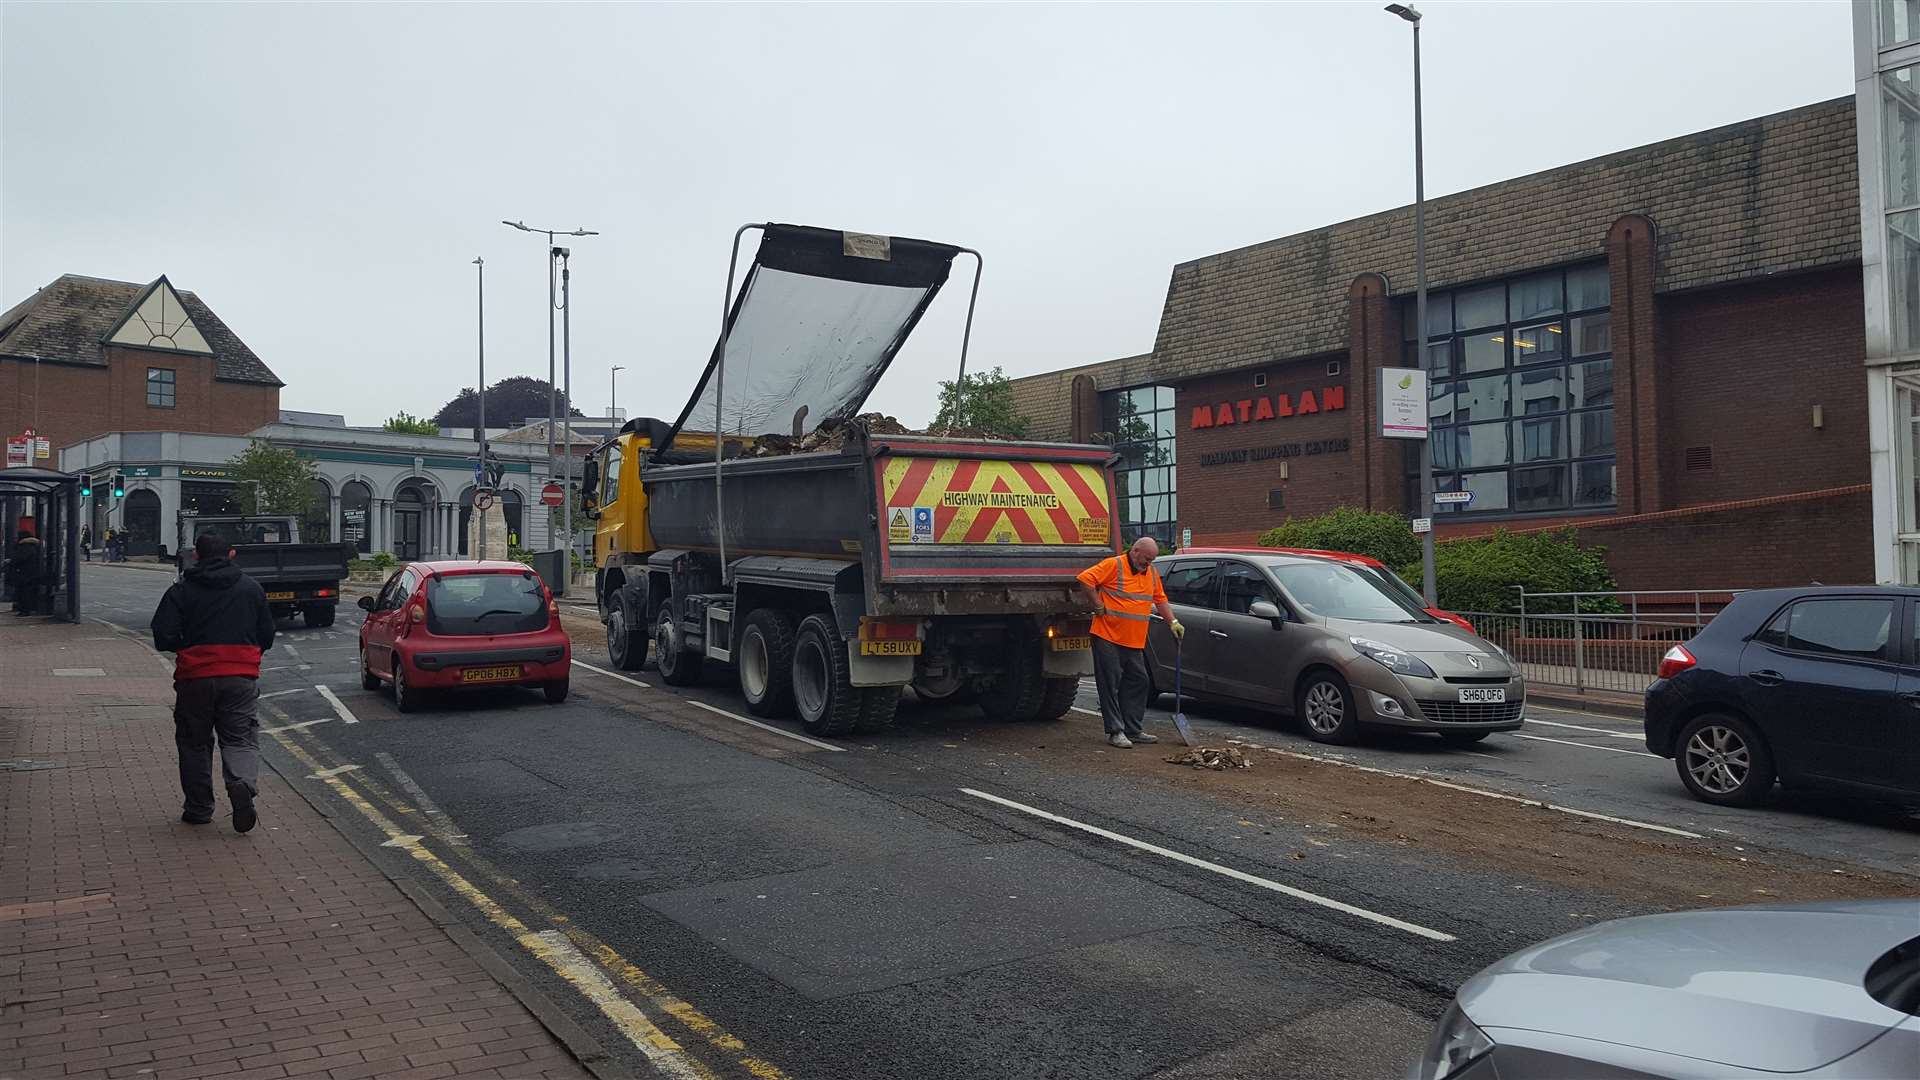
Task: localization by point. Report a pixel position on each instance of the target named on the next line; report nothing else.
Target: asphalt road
(708, 895)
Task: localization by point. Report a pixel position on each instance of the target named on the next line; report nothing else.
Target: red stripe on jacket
(217, 661)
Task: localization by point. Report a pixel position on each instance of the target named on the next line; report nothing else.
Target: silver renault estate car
(1313, 637)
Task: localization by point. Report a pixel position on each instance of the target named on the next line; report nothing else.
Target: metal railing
(1608, 641)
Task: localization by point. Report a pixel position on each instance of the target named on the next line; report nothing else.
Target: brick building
(84, 355)
(1663, 346)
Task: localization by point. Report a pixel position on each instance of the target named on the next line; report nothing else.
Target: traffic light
(119, 485)
(86, 486)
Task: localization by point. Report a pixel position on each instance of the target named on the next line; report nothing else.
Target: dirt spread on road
(1342, 803)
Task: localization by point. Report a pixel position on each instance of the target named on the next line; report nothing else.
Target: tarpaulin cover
(818, 319)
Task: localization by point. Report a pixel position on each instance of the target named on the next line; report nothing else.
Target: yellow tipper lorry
(828, 562)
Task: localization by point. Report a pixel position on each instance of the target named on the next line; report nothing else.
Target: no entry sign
(552, 494)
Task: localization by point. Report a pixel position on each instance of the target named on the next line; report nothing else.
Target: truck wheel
(319, 615)
(626, 633)
(1056, 697)
(766, 663)
(879, 705)
(823, 690)
(1015, 693)
(679, 665)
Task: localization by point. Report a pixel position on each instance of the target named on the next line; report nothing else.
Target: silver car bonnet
(1447, 649)
(1772, 988)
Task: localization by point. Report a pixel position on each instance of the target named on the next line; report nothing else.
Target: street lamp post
(480, 432)
(1427, 586)
(613, 391)
(553, 406)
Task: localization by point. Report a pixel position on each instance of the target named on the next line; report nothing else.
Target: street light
(553, 406)
(1412, 17)
(480, 432)
(613, 391)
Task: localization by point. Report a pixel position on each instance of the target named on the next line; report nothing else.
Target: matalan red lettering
(1263, 409)
(1333, 397)
(1283, 405)
(1202, 416)
(1246, 410)
(1223, 414)
(1307, 404)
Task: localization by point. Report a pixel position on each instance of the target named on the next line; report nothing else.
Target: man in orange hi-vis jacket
(1125, 590)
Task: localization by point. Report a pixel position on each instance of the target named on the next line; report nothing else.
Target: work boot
(244, 815)
(1119, 740)
(1143, 737)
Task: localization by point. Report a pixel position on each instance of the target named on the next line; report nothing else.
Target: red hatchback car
(447, 625)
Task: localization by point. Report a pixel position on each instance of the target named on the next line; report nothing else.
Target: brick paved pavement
(132, 945)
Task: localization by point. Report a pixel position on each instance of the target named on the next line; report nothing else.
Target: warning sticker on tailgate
(967, 501)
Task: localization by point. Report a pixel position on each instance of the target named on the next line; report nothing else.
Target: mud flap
(877, 670)
(1062, 665)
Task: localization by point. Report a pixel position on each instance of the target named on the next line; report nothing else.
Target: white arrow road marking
(403, 840)
(339, 708)
(326, 773)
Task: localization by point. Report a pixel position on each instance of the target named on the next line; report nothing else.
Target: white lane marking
(290, 650)
(335, 771)
(1595, 730)
(296, 726)
(1226, 871)
(286, 693)
(1484, 793)
(427, 805)
(339, 707)
(611, 674)
(1089, 712)
(796, 737)
(1584, 746)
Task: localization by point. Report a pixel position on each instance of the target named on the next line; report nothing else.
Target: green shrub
(1384, 536)
(1479, 574)
(384, 561)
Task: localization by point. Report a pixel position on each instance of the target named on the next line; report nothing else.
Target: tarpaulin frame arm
(720, 395)
(966, 336)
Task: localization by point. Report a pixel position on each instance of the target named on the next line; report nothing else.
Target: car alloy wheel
(1718, 759)
(1326, 707)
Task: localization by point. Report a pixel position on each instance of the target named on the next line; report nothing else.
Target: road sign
(1422, 525)
(483, 500)
(42, 448)
(1452, 498)
(552, 494)
(1403, 403)
(19, 450)
(1186, 538)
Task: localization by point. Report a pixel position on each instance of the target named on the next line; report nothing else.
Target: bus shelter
(45, 503)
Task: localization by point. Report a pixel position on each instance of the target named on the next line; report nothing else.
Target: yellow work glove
(1179, 629)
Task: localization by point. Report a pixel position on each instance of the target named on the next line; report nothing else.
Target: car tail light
(1677, 660)
(323, 592)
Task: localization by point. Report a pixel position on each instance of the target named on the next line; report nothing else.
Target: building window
(1520, 393)
(160, 387)
(1139, 422)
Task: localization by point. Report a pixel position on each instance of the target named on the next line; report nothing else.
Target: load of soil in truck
(835, 434)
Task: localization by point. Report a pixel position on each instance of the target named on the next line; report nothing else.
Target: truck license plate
(279, 596)
(1483, 696)
(490, 674)
(890, 648)
(1071, 644)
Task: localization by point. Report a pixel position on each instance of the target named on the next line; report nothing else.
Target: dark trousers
(1120, 675)
(202, 710)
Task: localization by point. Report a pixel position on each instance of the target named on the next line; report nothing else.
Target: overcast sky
(324, 175)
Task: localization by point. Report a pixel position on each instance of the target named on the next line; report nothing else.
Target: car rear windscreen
(466, 605)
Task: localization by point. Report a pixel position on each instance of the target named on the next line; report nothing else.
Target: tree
(509, 401)
(271, 480)
(406, 423)
(985, 407)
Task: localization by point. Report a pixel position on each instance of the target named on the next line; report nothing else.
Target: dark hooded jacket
(25, 567)
(216, 622)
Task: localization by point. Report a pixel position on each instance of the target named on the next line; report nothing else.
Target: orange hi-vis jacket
(1126, 599)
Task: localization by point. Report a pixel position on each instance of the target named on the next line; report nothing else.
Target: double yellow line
(573, 954)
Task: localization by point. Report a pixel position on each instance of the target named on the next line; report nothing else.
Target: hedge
(1386, 537)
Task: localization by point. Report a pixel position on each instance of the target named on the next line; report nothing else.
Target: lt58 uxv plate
(1483, 695)
(890, 648)
(1069, 644)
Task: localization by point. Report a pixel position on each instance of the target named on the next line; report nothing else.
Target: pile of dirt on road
(835, 434)
(1206, 757)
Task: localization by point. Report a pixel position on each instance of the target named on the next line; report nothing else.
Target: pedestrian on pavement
(25, 572)
(1125, 590)
(86, 542)
(216, 622)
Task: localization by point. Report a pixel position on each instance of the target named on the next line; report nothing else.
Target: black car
(1815, 686)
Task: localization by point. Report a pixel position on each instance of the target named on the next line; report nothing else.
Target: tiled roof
(1765, 196)
(68, 320)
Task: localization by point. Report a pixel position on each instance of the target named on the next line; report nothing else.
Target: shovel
(1179, 714)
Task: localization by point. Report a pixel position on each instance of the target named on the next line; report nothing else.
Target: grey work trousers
(222, 706)
(1120, 676)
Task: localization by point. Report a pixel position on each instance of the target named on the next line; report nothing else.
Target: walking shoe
(190, 818)
(1143, 737)
(1119, 740)
(244, 815)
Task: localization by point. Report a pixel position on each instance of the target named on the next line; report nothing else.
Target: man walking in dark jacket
(216, 622)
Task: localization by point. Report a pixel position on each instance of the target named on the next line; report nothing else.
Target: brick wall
(1745, 367)
(1824, 539)
(1229, 498)
(77, 402)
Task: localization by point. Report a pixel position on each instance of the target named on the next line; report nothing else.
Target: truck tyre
(765, 663)
(1015, 693)
(626, 632)
(879, 705)
(319, 615)
(823, 690)
(679, 665)
(1056, 697)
